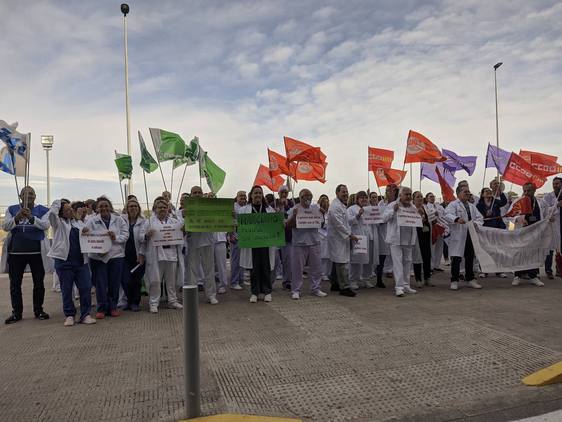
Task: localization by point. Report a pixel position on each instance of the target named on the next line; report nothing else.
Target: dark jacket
(494, 212)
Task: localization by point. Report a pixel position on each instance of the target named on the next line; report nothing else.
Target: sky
(240, 75)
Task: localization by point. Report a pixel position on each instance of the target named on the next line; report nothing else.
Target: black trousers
(16, 268)
(468, 262)
(133, 282)
(260, 275)
(380, 267)
(424, 239)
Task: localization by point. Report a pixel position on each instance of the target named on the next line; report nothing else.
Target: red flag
(446, 190)
(299, 151)
(437, 231)
(544, 164)
(519, 171)
(264, 178)
(309, 171)
(380, 158)
(385, 176)
(419, 149)
(277, 163)
(521, 206)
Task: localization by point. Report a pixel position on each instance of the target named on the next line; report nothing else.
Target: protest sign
(431, 214)
(260, 230)
(309, 218)
(409, 217)
(95, 242)
(372, 215)
(167, 235)
(208, 215)
(360, 247)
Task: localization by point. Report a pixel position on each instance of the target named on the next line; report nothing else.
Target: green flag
(147, 163)
(168, 145)
(191, 154)
(124, 165)
(213, 173)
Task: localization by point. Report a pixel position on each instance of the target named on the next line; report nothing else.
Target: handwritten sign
(208, 215)
(309, 218)
(409, 217)
(372, 215)
(360, 247)
(431, 214)
(167, 235)
(95, 242)
(261, 230)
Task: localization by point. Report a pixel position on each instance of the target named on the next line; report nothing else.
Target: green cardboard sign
(209, 215)
(261, 230)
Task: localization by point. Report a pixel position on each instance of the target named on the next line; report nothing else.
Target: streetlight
(125, 10)
(496, 66)
(47, 143)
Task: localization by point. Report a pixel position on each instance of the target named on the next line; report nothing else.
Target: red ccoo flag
(277, 163)
(544, 164)
(419, 149)
(385, 176)
(519, 171)
(264, 178)
(521, 206)
(299, 151)
(446, 190)
(380, 158)
(309, 171)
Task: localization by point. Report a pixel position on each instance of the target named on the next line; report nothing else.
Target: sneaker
(325, 278)
(88, 320)
(279, 277)
(354, 285)
(13, 319)
(134, 308)
(221, 290)
(57, 289)
(399, 293)
(212, 300)
(122, 305)
(153, 309)
(295, 296)
(115, 313)
(267, 298)
(429, 283)
(502, 275)
(473, 284)
(483, 275)
(286, 285)
(247, 283)
(516, 281)
(454, 285)
(369, 285)
(100, 315)
(319, 293)
(419, 284)
(348, 292)
(408, 289)
(253, 299)
(69, 321)
(237, 287)
(439, 270)
(41, 315)
(175, 305)
(537, 282)
(550, 276)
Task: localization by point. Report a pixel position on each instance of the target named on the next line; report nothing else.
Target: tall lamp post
(125, 10)
(496, 66)
(47, 143)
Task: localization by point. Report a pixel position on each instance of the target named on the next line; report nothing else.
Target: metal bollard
(192, 388)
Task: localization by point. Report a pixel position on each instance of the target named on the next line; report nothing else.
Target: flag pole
(420, 177)
(172, 181)
(28, 160)
(181, 184)
(199, 163)
(411, 182)
(120, 186)
(368, 179)
(484, 179)
(145, 190)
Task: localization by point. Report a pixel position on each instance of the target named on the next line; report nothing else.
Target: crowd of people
(134, 263)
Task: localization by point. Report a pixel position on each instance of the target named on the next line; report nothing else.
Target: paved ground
(435, 356)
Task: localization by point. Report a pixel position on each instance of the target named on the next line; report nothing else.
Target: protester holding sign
(305, 246)
(107, 268)
(71, 264)
(236, 272)
(402, 240)
(458, 213)
(422, 250)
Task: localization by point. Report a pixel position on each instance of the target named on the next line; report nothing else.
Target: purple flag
(457, 162)
(428, 172)
(497, 157)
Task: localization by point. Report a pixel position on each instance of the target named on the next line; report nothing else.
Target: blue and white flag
(16, 149)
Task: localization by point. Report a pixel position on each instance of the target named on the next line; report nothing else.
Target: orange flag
(419, 149)
(385, 176)
(544, 164)
(446, 189)
(309, 171)
(299, 151)
(380, 158)
(264, 178)
(519, 171)
(277, 163)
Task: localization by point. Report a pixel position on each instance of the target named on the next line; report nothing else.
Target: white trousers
(437, 253)
(401, 264)
(202, 257)
(220, 263)
(168, 271)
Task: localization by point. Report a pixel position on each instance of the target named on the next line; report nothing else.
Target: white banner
(522, 249)
(95, 242)
(409, 217)
(372, 215)
(309, 218)
(167, 235)
(360, 247)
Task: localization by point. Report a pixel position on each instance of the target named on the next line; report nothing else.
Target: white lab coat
(138, 232)
(246, 253)
(338, 232)
(458, 232)
(383, 246)
(392, 227)
(551, 201)
(118, 226)
(60, 247)
(358, 227)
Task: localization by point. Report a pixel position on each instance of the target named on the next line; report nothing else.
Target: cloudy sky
(241, 74)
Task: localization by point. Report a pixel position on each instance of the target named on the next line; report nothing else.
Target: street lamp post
(496, 66)
(47, 143)
(125, 10)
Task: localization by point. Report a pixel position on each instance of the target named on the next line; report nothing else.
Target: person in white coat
(553, 200)
(324, 203)
(361, 266)
(435, 211)
(391, 195)
(260, 261)
(305, 246)
(219, 239)
(458, 213)
(25, 245)
(71, 264)
(107, 269)
(340, 239)
(402, 240)
(163, 263)
(236, 271)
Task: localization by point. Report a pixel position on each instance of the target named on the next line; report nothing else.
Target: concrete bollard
(192, 390)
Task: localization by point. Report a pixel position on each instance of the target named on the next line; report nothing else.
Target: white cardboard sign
(309, 218)
(167, 235)
(372, 215)
(361, 246)
(95, 242)
(409, 217)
